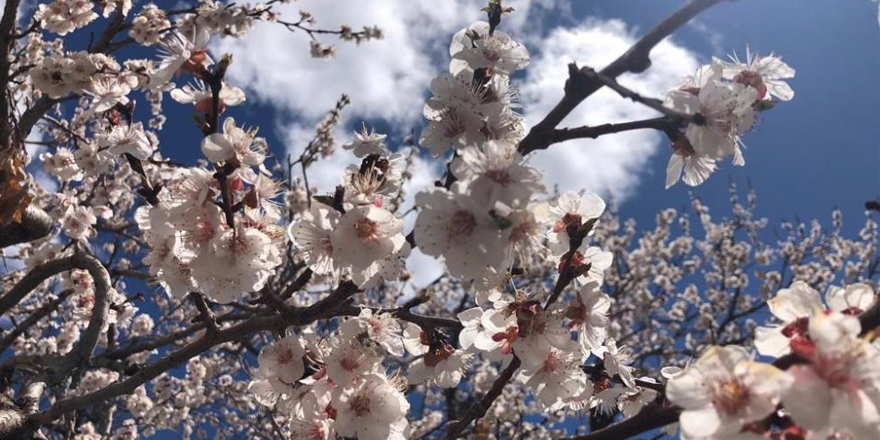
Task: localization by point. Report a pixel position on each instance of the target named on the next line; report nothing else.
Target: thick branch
(323, 309)
(630, 94)
(35, 224)
(652, 416)
(7, 26)
(173, 338)
(78, 358)
(33, 279)
(14, 414)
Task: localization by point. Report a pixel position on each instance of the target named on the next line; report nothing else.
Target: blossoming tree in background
(227, 299)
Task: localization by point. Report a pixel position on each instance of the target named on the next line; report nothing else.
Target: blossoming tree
(274, 311)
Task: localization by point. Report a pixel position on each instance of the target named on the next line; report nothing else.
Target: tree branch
(134, 348)
(664, 124)
(35, 224)
(479, 408)
(323, 309)
(35, 317)
(406, 315)
(654, 415)
(630, 94)
(7, 39)
(205, 313)
(579, 86)
(33, 279)
(77, 359)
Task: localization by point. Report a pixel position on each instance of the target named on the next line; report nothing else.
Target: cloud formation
(386, 79)
(609, 165)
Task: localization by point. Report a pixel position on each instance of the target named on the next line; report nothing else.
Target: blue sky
(810, 155)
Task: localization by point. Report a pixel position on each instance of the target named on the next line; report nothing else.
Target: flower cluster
(832, 390)
(722, 101)
(64, 16)
(337, 387)
(148, 25)
(81, 72)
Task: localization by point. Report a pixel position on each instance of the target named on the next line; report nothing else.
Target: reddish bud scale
(206, 106)
(802, 346)
(796, 328)
(752, 79)
(577, 260)
(434, 357)
(330, 411)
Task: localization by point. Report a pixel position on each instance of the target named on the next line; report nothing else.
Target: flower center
(522, 232)
(453, 126)
(500, 176)
(366, 229)
(553, 363)
(326, 245)
(752, 79)
(567, 220)
(376, 327)
(285, 356)
(731, 396)
(360, 404)
(796, 328)
(462, 224)
(349, 364)
(577, 312)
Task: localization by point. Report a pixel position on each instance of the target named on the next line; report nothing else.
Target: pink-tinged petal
(771, 342)
(798, 301)
(855, 297)
(700, 422)
(217, 148)
(687, 390)
(852, 407)
(673, 170)
(808, 399)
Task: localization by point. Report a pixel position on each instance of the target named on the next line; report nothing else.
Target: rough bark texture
(35, 224)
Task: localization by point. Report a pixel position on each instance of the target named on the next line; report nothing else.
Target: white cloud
(386, 79)
(612, 164)
(715, 38)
